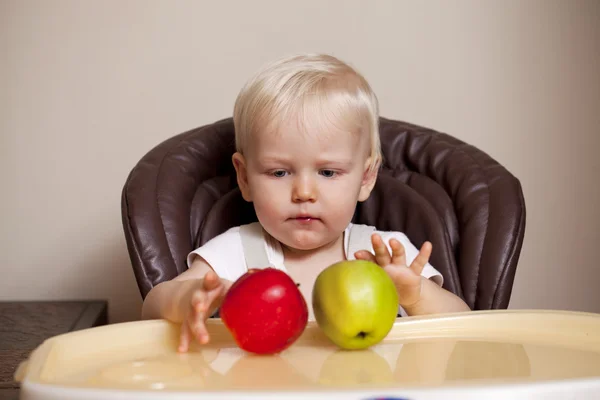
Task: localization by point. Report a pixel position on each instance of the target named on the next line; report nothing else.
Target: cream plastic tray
(521, 354)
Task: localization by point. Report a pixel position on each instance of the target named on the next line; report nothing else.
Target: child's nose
(304, 190)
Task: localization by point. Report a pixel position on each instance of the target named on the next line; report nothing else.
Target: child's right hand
(203, 302)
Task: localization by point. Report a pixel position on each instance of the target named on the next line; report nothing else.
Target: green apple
(355, 303)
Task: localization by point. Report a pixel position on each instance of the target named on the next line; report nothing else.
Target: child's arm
(434, 300)
(189, 299)
(416, 294)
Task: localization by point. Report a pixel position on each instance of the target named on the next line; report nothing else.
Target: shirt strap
(253, 243)
(359, 239)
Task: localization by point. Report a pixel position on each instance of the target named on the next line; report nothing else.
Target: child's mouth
(305, 218)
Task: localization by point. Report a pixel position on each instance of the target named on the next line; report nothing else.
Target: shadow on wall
(105, 273)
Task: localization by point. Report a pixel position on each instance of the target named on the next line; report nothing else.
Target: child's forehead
(293, 142)
(314, 118)
(308, 135)
(309, 127)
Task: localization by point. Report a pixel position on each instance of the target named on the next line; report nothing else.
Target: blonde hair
(314, 87)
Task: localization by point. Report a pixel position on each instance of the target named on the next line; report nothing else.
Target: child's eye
(279, 173)
(327, 173)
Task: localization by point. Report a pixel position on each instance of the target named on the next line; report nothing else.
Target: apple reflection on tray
(428, 363)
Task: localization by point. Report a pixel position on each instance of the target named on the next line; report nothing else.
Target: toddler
(307, 141)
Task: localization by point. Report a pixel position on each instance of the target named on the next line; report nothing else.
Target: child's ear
(239, 163)
(369, 179)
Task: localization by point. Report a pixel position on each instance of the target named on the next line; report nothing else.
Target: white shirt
(225, 254)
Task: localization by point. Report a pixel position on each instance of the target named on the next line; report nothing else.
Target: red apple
(264, 311)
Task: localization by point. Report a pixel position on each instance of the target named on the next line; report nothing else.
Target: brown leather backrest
(432, 186)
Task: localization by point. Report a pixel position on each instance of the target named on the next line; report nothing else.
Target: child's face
(305, 183)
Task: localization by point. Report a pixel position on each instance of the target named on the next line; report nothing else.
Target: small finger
(365, 255)
(214, 294)
(382, 255)
(184, 338)
(196, 321)
(200, 301)
(200, 332)
(421, 259)
(211, 280)
(398, 252)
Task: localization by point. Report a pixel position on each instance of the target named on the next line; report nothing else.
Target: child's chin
(305, 242)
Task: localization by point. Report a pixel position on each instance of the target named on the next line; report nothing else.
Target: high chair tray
(519, 354)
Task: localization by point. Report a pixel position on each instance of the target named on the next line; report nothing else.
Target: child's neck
(333, 250)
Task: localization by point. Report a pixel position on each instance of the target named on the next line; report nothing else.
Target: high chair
(431, 186)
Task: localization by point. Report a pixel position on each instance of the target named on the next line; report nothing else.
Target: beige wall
(86, 88)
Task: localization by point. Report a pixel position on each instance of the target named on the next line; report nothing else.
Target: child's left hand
(407, 279)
